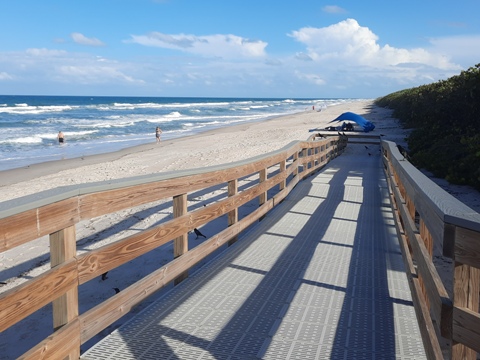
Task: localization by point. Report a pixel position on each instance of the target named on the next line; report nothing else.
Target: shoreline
(29, 172)
(211, 147)
(99, 125)
(44, 168)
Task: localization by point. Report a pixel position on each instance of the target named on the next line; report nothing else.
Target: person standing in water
(158, 131)
(61, 137)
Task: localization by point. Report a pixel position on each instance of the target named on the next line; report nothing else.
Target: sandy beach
(215, 147)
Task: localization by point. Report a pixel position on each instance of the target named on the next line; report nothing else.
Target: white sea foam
(26, 109)
(107, 124)
(79, 133)
(30, 132)
(174, 114)
(23, 140)
(123, 106)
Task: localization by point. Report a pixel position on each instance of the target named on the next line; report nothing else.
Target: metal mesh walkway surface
(321, 277)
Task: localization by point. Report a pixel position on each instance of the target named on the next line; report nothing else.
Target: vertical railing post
(63, 247)
(318, 156)
(180, 244)
(283, 168)
(302, 160)
(295, 162)
(465, 295)
(314, 157)
(328, 152)
(262, 198)
(333, 145)
(233, 214)
(309, 153)
(262, 178)
(427, 240)
(306, 154)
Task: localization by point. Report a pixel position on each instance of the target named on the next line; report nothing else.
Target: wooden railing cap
(448, 208)
(33, 201)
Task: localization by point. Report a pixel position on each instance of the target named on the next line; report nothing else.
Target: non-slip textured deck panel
(321, 277)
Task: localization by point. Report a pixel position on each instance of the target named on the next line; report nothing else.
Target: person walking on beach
(158, 131)
(60, 137)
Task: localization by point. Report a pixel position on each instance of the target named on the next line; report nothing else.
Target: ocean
(92, 125)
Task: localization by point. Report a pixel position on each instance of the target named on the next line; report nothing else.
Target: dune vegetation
(445, 120)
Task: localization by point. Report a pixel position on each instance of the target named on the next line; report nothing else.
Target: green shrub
(445, 118)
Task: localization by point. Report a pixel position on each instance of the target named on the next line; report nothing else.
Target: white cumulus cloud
(83, 40)
(311, 78)
(5, 76)
(42, 52)
(351, 44)
(92, 74)
(222, 46)
(463, 48)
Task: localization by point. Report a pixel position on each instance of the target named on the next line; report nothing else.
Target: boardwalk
(320, 277)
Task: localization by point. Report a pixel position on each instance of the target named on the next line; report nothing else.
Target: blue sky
(233, 48)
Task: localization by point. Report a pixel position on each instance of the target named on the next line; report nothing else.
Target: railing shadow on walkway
(273, 294)
(368, 306)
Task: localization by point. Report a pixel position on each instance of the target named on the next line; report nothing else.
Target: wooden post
(427, 240)
(283, 168)
(180, 244)
(410, 206)
(305, 154)
(263, 178)
(295, 159)
(63, 247)
(466, 295)
(314, 160)
(233, 215)
(262, 198)
(302, 161)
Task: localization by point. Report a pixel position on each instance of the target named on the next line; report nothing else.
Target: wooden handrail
(428, 217)
(425, 217)
(56, 212)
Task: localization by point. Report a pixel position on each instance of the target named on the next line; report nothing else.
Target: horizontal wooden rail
(27, 298)
(466, 327)
(54, 211)
(426, 217)
(349, 137)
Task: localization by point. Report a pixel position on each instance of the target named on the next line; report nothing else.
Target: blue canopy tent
(349, 116)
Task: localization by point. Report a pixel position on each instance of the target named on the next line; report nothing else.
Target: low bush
(445, 118)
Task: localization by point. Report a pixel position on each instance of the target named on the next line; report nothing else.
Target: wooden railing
(427, 217)
(57, 212)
